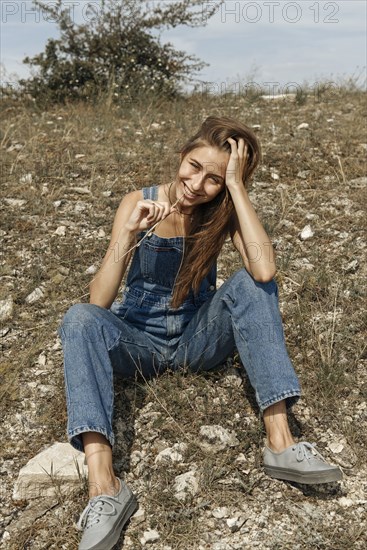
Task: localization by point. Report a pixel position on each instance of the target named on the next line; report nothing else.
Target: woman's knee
(78, 316)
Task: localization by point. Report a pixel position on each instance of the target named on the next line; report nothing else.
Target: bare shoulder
(131, 198)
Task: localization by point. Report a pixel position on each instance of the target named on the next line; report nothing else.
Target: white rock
(336, 447)
(26, 178)
(6, 308)
(151, 535)
(358, 183)
(79, 156)
(42, 359)
(61, 230)
(91, 270)
(80, 190)
(306, 233)
(138, 517)
(170, 455)
(101, 232)
(79, 207)
(218, 437)
(352, 266)
(221, 512)
(303, 126)
(274, 175)
(15, 147)
(53, 469)
(303, 174)
(235, 523)
(186, 484)
(57, 204)
(345, 502)
(37, 294)
(107, 193)
(15, 202)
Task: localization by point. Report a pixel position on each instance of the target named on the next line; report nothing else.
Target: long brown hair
(211, 220)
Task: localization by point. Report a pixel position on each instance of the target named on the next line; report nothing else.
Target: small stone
(138, 517)
(345, 502)
(6, 308)
(358, 183)
(101, 232)
(91, 270)
(169, 455)
(306, 233)
(107, 193)
(235, 523)
(26, 178)
(303, 126)
(149, 536)
(352, 266)
(41, 359)
(80, 190)
(303, 174)
(15, 147)
(220, 513)
(336, 447)
(15, 202)
(217, 437)
(186, 484)
(79, 156)
(34, 296)
(61, 230)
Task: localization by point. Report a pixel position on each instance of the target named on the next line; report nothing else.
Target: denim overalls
(142, 335)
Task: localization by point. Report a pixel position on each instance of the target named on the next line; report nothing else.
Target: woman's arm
(132, 216)
(247, 232)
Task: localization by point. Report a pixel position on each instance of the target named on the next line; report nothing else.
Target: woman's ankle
(102, 485)
(279, 443)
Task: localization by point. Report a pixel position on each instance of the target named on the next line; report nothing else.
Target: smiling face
(201, 176)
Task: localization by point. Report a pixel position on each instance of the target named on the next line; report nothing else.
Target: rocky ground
(188, 445)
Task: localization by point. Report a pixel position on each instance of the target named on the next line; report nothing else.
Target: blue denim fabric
(143, 336)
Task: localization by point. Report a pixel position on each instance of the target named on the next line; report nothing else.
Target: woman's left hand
(237, 163)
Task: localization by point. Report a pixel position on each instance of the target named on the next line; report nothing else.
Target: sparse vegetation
(114, 51)
(71, 165)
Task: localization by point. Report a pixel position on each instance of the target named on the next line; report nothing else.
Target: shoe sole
(113, 536)
(311, 478)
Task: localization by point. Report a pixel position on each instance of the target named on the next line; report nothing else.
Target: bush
(114, 52)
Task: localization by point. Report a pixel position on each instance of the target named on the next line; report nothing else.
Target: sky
(277, 44)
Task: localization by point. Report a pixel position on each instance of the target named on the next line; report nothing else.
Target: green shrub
(114, 52)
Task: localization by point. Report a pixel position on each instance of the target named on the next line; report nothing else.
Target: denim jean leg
(243, 313)
(97, 344)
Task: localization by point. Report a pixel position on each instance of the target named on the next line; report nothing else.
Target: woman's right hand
(146, 213)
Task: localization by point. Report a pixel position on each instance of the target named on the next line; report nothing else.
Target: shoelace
(94, 510)
(307, 451)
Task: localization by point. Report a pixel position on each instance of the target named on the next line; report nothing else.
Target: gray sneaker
(104, 517)
(301, 463)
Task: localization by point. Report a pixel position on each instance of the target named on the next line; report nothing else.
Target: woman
(172, 315)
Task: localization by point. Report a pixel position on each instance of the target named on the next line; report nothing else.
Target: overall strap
(151, 192)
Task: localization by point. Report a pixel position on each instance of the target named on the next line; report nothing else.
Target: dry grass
(322, 307)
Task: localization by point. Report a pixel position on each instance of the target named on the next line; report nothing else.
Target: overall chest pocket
(160, 264)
